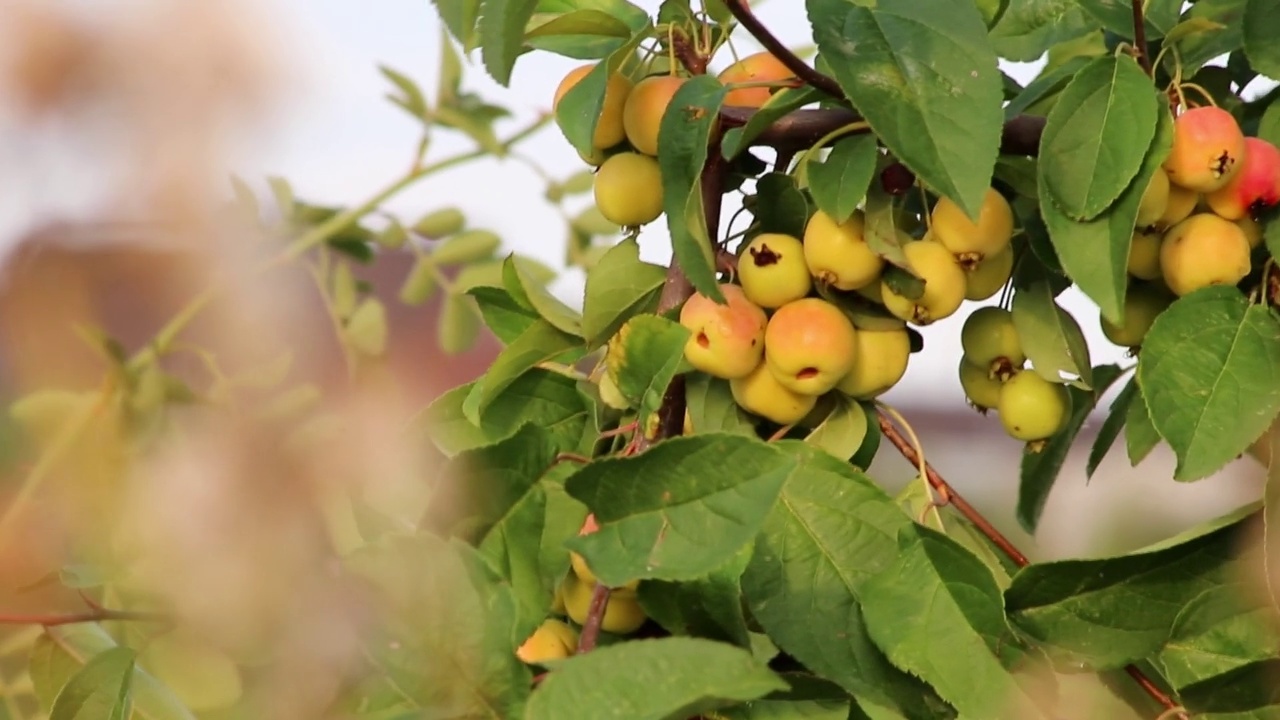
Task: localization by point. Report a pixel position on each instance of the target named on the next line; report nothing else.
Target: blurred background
(120, 120)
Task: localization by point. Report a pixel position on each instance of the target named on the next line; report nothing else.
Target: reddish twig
(688, 55)
(950, 496)
(748, 20)
(595, 616)
(1140, 38)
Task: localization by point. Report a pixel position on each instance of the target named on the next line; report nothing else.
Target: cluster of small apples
(1196, 223)
(628, 184)
(555, 638)
(783, 349)
(994, 376)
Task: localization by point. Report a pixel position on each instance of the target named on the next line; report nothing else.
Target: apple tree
(656, 504)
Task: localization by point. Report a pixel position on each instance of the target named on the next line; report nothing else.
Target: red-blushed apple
(727, 341)
(1254, 187)
(1207, 148)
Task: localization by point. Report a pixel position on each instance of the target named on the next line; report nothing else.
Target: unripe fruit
(727, 341)
(989, 338)
(1032, 408)
(761, 67)
(1142, 303)
(970, 241)
(773, 271)
(809, 346)
(1182, 202)
(1144, 255)
(628, 189)
(879, 363)
(1255, 186)
(944, 285)
(1207, 148)
(642, 114)
(552, 640)
(987, 277)
(981, 390)
(1203, 250)
(760, 393)
(1154, 199)
(623, 615)
(583, 571)
(1252, 231)
(838, 254)
(609, 130)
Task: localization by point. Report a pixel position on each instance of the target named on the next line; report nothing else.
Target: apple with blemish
(726, 341)
(773, 272)
(810, 346)
(1255, 187)
(1208, 146)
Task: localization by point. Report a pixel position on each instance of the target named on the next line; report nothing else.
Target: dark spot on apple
(807, 373)
(703, 340)
(763, 256)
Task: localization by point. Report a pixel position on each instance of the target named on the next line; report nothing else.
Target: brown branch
(595, 616)
(688, 54)
(802, 128)
(950, 496)
(1140, 38)
(775, 46)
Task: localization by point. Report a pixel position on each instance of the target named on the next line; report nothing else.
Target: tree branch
(97, 614)
(984, 526)
(1140, 38)
(595, 616)
(748, 20)
(802, 128)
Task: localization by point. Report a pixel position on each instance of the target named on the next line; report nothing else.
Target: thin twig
(999, 540)
(99, 614)
(775, 46)
(1140, 38)
(595, 616)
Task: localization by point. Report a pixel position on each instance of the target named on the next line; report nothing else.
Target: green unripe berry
(988, 337)
(1032, 408)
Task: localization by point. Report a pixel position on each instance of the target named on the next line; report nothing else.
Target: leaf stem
(779, 50)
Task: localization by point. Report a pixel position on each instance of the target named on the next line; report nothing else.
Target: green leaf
(781, 103)
(1112, 426)
(1046, 84)
(1269, 130)
(541, 397)
(646, 355)
(618, 287)
(926, 80)
(579, 110)
(50, 668)
(702, 498)
(420, 284)
(540, 343)
(1096, 253)
(1261, 28)
(586, 33)
(1218, 632)
(466, 247)
(99, 691)
(1210, 374)
(1199, 48)
(712, 408)
(502, 313)
(527, 290)
(1050, 336)
(460, 17)
(501, 28)
(411, 99)
(683, 138)
(842, 432)
(830, 532)
(440, 607)
(1030, 27)
(1109, 612)
(1140, 436)
(366, 329)
(939, 584)
(150, 699)
(1040, 468)
(1096, 136)
(780, 206)
(1117, 16)
(840, 182)
(653, 680)
(708, 607)
(458, 325)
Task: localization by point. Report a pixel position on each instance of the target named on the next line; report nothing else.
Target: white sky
(338, 141)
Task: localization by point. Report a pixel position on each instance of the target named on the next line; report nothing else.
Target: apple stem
(984, 526)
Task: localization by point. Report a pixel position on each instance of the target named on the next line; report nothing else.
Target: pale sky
(338, 141)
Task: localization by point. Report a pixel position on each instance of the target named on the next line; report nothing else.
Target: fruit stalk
(802, 70)
(949, 495)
